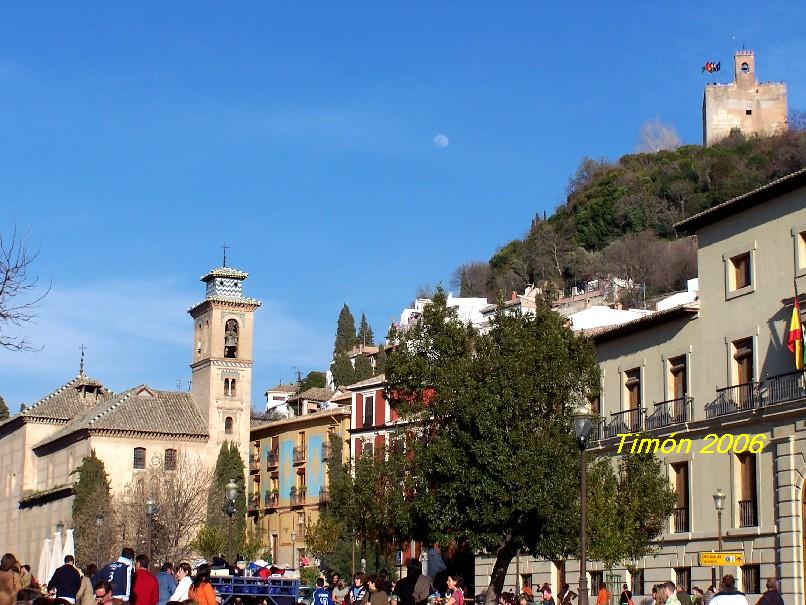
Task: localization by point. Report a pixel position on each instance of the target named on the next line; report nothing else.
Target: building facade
(714, 378)
(744, 104)
(132, 431)
(288, 478)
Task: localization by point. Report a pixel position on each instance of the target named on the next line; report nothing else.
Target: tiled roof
(283, 388)
(636, 325)
(342, 410)
(224, 272)
(69, 400)
(379, 379)
(313, 394)
(140, 410)
(344, 396)
(762, 194)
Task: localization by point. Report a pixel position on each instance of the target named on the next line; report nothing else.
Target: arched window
(226, 387)
(228, 425)
(231, 338)
(232, 387)
(139, 457)
(745, 68)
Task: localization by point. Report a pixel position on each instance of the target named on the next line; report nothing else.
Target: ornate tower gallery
(222, 357)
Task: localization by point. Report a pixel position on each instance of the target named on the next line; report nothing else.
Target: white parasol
(44, 571)
(55, 555)
(69, 544)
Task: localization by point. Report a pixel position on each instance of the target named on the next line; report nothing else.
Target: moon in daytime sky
(441, 141)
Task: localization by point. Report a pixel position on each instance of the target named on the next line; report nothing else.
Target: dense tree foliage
(345, 331)
(92, 498)
(4, 413)
(642, 194)
(494, 430)
(313, 379)
(365, 335)
(229, 466)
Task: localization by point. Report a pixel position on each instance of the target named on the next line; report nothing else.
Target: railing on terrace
(254, 501)
(786, 387)
(738, 398)
(628, 421)
(299, 454)
(297, 496)
(273, 459)
(254, 465)
(680, 520)
(666, 413)
(270, 499)
(747, 513)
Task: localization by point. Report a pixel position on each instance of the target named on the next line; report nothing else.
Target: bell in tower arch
(231, 338)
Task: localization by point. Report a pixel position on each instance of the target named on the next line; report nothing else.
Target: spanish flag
(795, 340)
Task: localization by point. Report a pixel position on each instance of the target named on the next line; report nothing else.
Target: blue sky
(135, 138)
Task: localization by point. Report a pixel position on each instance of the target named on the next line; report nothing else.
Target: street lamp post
(293, 549)
(59, 527)
(719, 504)
(99, 521)
(230, 494)
(152, 510)
(583, 426)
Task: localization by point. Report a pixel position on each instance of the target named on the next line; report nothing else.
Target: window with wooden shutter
(678, 375)
(632, 384)
(740, 266)
(748, 501)
(743, 360)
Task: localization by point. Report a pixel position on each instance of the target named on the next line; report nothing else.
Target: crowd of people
(125, 581)
(129, 581)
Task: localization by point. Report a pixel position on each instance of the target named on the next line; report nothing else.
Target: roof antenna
(224, 264)
(82, 348)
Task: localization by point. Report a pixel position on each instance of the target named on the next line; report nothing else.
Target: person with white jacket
(185, 582)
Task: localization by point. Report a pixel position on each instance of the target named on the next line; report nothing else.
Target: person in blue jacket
(321, 596)
(119, 574)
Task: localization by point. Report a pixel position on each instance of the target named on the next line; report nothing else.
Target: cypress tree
(92, 497)
(363, 368)
(343, 371)
(228, 466)
(380, 360)
(4, 413)
(365, 335)
(345, 332)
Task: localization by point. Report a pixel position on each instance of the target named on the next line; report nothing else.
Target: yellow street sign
(716, 559)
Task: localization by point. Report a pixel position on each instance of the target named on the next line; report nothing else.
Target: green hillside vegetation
(618, 217)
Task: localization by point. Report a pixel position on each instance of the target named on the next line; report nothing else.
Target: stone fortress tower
(222, 357)
(744, 104)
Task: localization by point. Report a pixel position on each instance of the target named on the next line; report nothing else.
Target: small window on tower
(228, 425)
(231, 338)
(748, 112)
(232, 387)
(745, 68)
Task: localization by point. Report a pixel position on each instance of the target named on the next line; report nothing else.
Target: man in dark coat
(772, 596)
(66, 580)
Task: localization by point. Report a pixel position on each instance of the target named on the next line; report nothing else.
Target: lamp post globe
(293, 549)
(231, 490)
(583, 427)
(719, 505)
(230, 495)
(59, 527)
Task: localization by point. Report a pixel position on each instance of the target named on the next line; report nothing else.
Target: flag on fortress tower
(795, 340)
(711, 66)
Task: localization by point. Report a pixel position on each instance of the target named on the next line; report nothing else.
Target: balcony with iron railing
(627, 421)
(297, 496)
(327, 451)
(299, 454)
(748, 513)
(271, 498)
(737, 398)
(254, 502)
(785, 388)
(324, 496)
(273, 459)
(680, 520)
(667, 413)
(254, 464)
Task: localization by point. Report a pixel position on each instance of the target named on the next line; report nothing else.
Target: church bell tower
(222, 357)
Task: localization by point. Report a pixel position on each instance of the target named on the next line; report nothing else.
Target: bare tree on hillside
(181, 499)
(471, 279)
(656, 136)
(18, 296)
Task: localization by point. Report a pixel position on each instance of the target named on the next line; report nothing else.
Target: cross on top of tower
(82, 348)
(224, 264)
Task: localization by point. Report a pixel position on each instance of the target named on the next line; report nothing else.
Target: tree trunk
(503, 558)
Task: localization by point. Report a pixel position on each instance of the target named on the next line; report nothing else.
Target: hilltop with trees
(619, 215)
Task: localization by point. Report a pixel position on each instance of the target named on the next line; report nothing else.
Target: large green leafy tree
(313, 379)
(93, 543)
(229, 466)
(494, 457)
